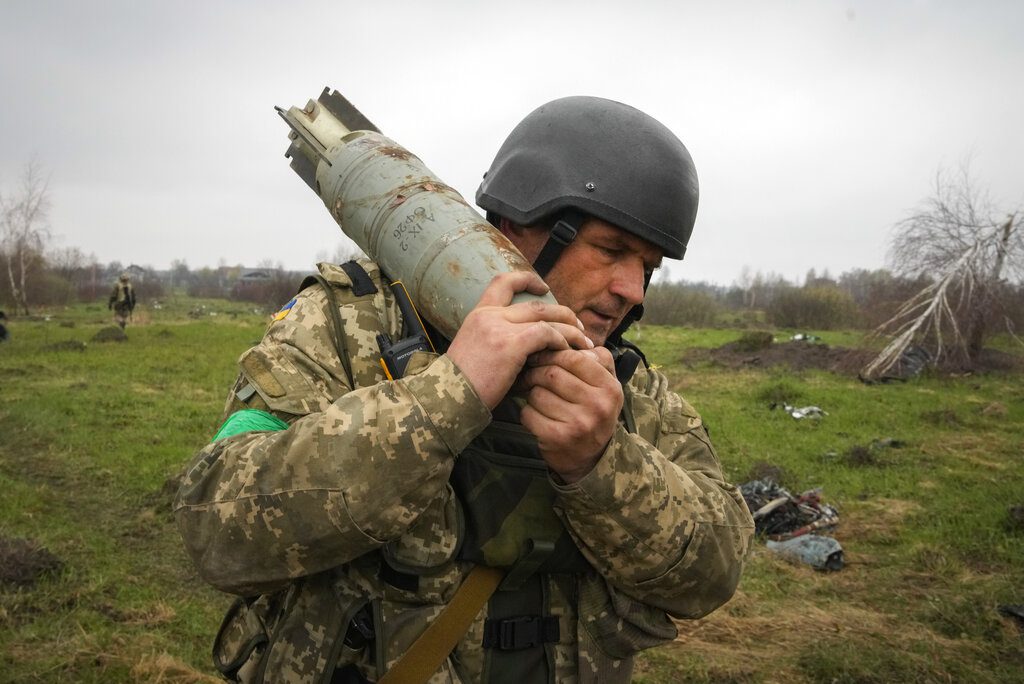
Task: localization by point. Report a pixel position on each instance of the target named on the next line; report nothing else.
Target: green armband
(248, 420)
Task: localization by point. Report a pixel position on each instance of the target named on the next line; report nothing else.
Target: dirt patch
(801, 355)
(23, 562)
(797, 355)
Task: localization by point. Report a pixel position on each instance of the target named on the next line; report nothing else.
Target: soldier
(122, 300)
(430, 528)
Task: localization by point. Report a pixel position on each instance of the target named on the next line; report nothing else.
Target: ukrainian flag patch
(284, 310)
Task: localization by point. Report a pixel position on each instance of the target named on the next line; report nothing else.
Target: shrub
(818, 308)
(676, 304)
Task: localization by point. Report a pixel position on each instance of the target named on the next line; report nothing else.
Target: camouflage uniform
(122, 300)
(318, 520)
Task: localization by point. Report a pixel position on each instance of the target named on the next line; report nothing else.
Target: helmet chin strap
(562, 233)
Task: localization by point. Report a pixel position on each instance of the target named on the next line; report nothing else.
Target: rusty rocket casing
(401, 215)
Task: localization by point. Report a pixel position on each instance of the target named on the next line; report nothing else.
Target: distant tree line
(59, 277)
(858, 299)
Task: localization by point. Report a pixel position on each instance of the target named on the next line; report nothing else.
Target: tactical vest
(502, 486)
(506, 520)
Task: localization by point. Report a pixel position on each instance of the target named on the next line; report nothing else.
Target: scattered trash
(802, 412)
(821, 553)
(779, 515)
(805, 337)
(782, 518)
(911, 362)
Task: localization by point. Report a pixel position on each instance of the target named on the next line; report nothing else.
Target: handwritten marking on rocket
(407, 230)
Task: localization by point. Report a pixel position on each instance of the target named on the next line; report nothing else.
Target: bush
(817, 308)
(676, 304)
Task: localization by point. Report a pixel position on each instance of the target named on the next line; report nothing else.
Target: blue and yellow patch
(284, 310)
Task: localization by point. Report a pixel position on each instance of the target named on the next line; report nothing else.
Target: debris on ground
(802, 412)
(820, 552)
(1013, 611)
(909, 365)
(779, 516)
(805, 337)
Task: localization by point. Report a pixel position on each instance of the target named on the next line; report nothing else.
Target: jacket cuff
(597, 490)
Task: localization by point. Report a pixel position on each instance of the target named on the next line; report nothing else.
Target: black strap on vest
(562, 233)
(361, 285)
(361, 282)
(522, 631)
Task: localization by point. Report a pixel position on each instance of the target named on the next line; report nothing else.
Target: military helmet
(599, 157)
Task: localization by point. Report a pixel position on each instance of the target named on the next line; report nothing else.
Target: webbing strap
(362, 284)
(430, 650)
(339, 327)
(562, 233)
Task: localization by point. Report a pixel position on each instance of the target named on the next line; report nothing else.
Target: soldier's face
(600, 275)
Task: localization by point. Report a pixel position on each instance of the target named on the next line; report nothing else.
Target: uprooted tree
(971, 252)
(23, 232)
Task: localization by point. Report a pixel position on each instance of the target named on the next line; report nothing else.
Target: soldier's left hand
(573, 405)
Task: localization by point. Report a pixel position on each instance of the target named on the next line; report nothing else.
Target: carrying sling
(432, 647)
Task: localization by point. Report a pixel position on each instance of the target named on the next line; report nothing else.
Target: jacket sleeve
(656, 518)
(348, 474)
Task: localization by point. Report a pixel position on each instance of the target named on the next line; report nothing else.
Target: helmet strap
(562, 233)
(634, 315)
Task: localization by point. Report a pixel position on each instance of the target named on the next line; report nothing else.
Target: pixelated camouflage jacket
(306, 517)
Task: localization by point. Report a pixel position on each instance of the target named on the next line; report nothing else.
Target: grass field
(92, 435)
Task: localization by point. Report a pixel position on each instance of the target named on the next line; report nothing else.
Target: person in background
(122, 300)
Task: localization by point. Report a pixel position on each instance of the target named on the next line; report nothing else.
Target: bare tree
(23, 230)
(969, 250)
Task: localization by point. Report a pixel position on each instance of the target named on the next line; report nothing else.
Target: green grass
(92, 439)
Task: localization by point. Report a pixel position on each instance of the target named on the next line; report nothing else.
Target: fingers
(591, 365)
(499, 292)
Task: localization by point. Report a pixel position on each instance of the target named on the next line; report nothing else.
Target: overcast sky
(815, 125)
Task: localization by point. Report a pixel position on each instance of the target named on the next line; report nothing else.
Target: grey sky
(815, 125)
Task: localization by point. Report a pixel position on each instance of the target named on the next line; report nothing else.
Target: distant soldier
(3, 328)
(122, 300)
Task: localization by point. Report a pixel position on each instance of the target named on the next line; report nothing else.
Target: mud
(24, 561)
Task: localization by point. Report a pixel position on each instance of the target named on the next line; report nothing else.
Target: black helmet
(601, 158)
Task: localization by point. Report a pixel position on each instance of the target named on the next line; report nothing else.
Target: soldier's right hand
(497, 336)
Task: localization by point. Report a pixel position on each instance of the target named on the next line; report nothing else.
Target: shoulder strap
(339, 327)
(362, 285)
(426, 654)
(361, 282)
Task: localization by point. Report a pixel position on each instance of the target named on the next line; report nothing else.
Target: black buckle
(523, 631)
(563, 232)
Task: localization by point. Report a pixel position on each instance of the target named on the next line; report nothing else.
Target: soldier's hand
(497, 336)
(573, 407)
